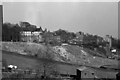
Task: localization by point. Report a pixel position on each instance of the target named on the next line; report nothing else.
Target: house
(85, 72)
(99, 39)
(37, 34)
(32, 36)
(80, 36)
(26, 36)
(79, 73)
(108, 39)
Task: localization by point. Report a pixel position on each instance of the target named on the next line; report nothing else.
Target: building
(108, 39)
(99, 39)
(89, 39)
(85, 73)
(37, 35)
(32, 36)
(26, 36)
(80, 36)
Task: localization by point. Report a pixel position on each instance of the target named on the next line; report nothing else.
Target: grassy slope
(29, 62)
(29, 48)
(32, 48)
(97, 61)
(24, 62)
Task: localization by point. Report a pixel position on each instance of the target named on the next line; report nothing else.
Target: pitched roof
(83, 68)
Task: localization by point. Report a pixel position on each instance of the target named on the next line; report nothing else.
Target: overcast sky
(99, 18)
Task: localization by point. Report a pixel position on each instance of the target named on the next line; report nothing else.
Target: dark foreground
(65, 71)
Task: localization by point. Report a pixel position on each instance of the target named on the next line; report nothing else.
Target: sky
(99, 18)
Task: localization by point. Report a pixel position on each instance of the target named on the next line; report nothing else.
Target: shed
(85, 72)
(118, 76)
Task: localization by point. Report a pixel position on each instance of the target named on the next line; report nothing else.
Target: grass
(33, 48)
(95, 62)
(30, 62)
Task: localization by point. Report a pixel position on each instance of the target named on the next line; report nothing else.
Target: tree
(10, 32)
(6, 32)
(65, 35)
(47, 57)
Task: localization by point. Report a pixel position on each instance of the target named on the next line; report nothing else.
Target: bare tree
(47, 56)
(48, 65)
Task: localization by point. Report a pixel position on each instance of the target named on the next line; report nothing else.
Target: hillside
(83, 57)
(68, 53)
(25, 62)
